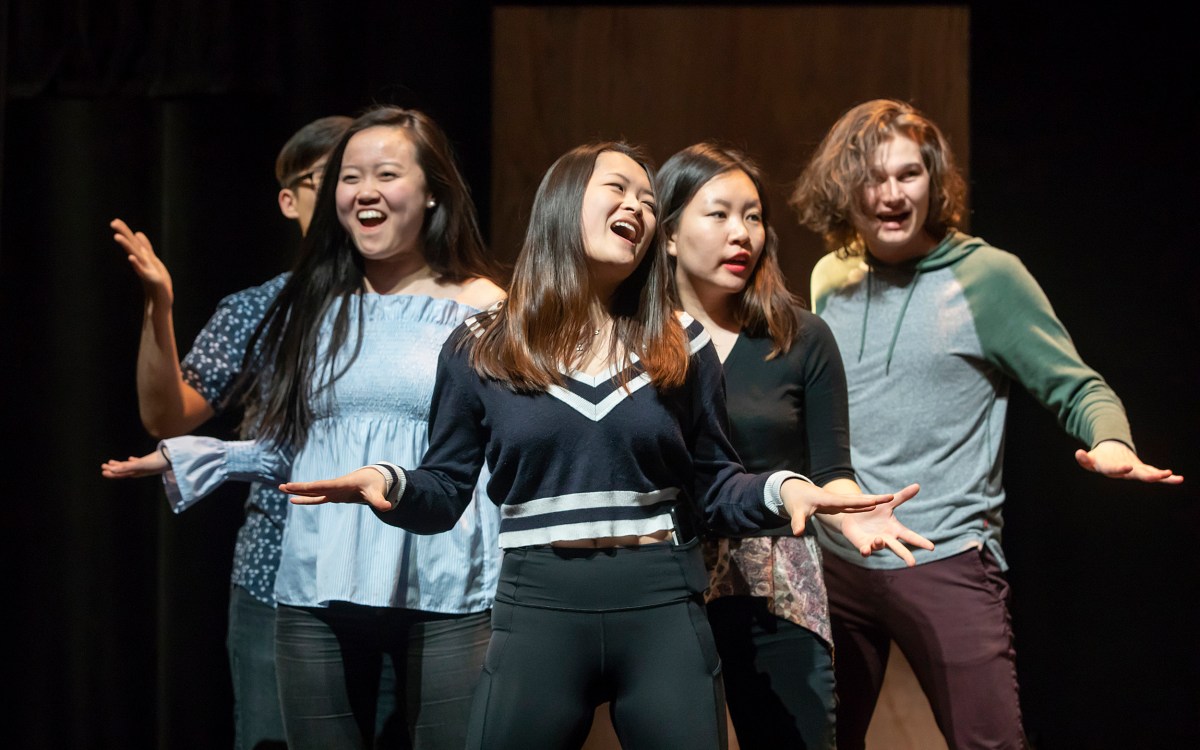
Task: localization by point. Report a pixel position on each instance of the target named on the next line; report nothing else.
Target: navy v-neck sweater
(587, 459)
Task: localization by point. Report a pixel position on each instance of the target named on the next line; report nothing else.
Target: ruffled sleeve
(199, 465)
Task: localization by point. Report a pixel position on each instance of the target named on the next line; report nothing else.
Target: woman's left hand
(364, 486)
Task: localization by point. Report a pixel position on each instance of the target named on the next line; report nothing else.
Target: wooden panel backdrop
(770, 80)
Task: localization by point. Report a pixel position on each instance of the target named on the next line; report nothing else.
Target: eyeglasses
(311, 178)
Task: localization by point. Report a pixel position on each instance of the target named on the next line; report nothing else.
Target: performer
(175, 398)
(601, 417)
(786, 393)
(341, 370)
(934, 325)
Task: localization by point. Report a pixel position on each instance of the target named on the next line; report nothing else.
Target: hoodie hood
(949, 251)
(954, 247)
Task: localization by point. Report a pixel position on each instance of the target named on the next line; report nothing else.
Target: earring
(430, 203)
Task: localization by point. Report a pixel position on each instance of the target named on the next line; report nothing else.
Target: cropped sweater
(586, 459)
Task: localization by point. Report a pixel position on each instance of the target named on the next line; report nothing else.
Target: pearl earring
(430, 203)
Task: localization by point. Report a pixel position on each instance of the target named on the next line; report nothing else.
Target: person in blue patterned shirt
(176, 397)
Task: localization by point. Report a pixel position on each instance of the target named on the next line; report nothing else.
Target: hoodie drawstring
(862, 341)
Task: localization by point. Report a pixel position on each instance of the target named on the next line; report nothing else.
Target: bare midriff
(631, 540)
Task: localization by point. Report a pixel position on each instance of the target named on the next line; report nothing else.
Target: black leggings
(572, 629)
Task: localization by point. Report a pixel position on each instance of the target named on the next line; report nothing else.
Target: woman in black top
(786, 395)
(601, 416)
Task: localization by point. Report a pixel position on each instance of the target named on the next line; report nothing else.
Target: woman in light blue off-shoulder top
(392, 264)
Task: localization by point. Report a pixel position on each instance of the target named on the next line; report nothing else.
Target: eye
(756, 218)
(719, 215)
(651, 206)
(349, 179)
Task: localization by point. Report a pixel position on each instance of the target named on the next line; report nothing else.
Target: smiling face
(618, 218)
(895, 203)
(719, 238)
(382, 197)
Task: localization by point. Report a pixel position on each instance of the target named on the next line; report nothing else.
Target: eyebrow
(729, 204)
(384, 163)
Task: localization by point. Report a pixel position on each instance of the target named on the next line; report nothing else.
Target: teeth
(626, 229)
(369, 214)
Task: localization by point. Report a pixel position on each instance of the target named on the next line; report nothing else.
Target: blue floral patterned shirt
(212, 367)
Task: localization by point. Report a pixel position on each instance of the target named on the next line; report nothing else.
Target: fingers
(798, 525)
(913, 539)
(1135, 470)
(305, 500)
(859, 503)
(901, 551)
(1147, 473)
(906, 493)
(310, 489)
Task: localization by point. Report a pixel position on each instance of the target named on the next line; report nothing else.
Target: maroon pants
(950, 619)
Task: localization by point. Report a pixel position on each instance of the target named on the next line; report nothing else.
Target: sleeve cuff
(396, 481)
(772, 496)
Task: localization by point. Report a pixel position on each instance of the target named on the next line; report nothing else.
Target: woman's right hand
(156, 280)
(149, 465)
(363, 486)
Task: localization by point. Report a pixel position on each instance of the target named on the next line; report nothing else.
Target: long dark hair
(765, 305)
(283, 370)
(550, 297)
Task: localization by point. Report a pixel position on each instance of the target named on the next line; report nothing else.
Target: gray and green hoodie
(930, 349)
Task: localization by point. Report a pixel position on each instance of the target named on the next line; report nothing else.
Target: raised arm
(167, 404)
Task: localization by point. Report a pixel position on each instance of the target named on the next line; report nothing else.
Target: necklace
(579, 346)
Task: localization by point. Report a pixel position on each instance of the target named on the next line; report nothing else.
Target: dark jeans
(950, 618)
(329, 661)
(250, 641)
(778, 677)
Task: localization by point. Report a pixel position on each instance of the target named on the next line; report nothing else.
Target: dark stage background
(1083, 161)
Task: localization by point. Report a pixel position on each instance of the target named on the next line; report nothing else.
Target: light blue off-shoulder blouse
(378, 409)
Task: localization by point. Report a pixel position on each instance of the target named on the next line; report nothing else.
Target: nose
(367, 192)
(738, 233)
(890, 189)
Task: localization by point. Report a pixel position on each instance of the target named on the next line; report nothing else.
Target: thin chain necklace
(579, 346)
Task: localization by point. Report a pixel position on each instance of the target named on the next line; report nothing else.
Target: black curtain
(169, 115)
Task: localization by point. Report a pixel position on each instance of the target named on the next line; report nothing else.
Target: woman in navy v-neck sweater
(601, 417)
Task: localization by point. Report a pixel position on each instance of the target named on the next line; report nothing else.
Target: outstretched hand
(879, 528)
(363, 486)
(802, 499)
(150, 269)
(1114, 459)
(149, 465)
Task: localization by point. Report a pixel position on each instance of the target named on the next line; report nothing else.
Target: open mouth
(370, 217)
(894, 218)
(738, 262)
(627, 230)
